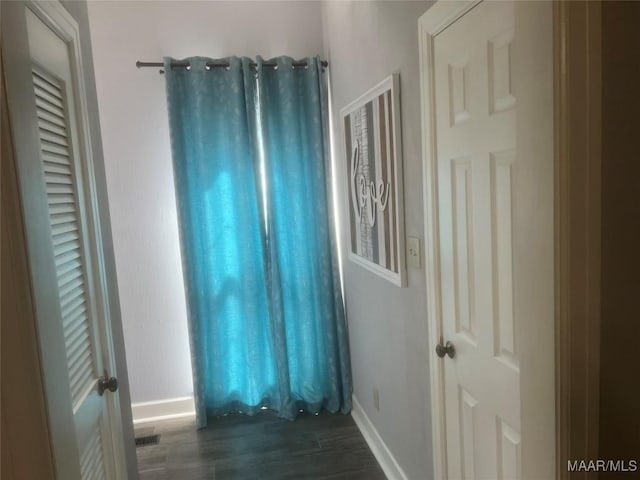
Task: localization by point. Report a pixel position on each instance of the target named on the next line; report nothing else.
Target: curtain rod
(210, 65)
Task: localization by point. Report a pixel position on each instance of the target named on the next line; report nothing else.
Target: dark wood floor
(262, 447)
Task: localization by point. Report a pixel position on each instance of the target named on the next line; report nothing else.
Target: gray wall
(135, 132)
(364, 43)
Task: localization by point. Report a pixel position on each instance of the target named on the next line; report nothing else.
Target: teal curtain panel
(252, 176)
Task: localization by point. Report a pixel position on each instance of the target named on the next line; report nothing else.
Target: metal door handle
(446, 349)
(107, 383)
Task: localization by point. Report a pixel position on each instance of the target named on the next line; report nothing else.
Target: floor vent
(147, 440)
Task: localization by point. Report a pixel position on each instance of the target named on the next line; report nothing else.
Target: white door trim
(436, 19)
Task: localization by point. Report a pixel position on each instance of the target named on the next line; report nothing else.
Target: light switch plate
(413, 252)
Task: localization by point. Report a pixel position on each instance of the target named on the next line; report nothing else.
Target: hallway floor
(262, 447)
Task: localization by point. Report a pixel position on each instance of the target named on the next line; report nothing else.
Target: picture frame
(372, 149)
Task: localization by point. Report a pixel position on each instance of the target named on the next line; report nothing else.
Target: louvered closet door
(65, 250)
(70, 253)
(64, 215)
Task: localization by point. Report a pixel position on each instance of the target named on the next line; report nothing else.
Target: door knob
(446, 349)
(107, 383)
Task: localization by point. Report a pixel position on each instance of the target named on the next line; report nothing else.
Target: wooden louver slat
(91, 459)
(66, 232)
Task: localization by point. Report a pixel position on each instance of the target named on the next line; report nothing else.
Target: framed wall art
(372, 147)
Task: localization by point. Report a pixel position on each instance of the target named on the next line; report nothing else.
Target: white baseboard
(385, 458)
(163, 409)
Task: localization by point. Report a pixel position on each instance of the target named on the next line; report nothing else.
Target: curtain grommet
(187, 67)
(207, 66)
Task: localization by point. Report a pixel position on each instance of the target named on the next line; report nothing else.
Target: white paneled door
(488, 88)
(48, 115)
